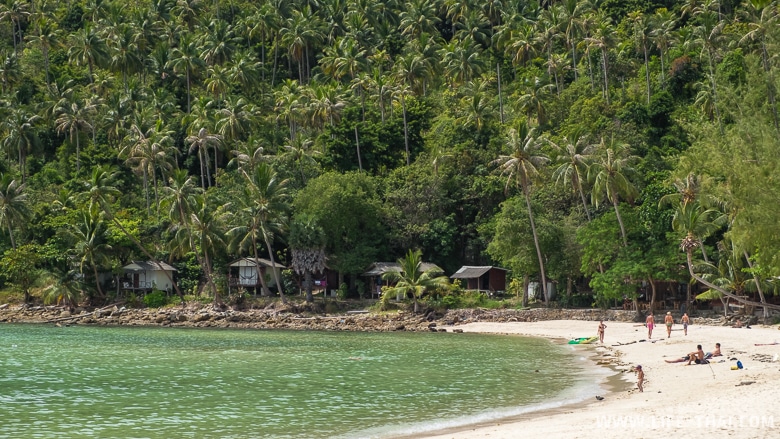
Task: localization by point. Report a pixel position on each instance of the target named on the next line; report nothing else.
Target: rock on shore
(197, 315)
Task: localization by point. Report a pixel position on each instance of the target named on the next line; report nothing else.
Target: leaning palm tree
(521, 167)
(307, 248)
(694, 220)
(411, 279)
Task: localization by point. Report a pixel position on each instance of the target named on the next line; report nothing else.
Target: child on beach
(640, 377)
(602, 327)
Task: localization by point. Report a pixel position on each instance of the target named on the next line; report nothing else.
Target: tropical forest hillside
(603, 145)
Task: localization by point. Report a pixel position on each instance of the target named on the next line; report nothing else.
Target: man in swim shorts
(669, 320)
(697, 356)
(650, 322)
(685, 320)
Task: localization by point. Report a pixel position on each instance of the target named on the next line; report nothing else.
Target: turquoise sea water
(75, 382)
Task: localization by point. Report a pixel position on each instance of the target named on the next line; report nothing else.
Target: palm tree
(708, 35)
(89, 243)
(206, 229)
(47, 37)
(64, 286)
(88, 47)
(15, 11)
(99, 190)
(604, 38)
(151, 150)
(762, 19)
(573, 160)
(186, 59)
(20, 135)
(532, 101)
(71, 117)
(124, 53)
(201, 142)
(642, 33)
(14, 209)
(301, 152)
(521, 167)
(662, 34)
(609, 177)
(266, 202)
(411, 279)
(307, 248)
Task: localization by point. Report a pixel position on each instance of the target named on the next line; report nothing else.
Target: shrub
(155, 299)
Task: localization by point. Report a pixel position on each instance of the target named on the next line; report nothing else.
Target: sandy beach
(678, 400)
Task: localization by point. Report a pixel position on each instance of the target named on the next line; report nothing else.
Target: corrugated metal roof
(472, 272)
(147, 266)
(380, 268)
(251, 262)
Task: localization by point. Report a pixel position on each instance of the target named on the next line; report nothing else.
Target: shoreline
(612, 382)
(711, 399)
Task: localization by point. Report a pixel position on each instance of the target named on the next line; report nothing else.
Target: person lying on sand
(715, 353)
(679, 360)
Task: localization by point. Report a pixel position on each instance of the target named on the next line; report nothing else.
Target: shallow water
(197, 383)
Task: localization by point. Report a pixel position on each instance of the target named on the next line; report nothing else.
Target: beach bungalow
(488, 279)
(377, 269)
(145, 276)
(243, 273)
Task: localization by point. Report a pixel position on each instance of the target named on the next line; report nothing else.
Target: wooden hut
(488, 279)
(145, 276)
(243, 273)
(375, 272)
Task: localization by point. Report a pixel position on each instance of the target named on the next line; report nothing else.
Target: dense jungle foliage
(603, 145)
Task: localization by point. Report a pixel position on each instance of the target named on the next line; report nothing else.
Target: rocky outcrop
(299, 318)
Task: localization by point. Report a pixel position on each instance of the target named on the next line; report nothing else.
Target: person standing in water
(602, 327)
(650, 322)
(640, 377)
(669, 320)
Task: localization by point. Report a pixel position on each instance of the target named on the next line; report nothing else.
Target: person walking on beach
(669, 320)
(685, 320)
(650, 322)
(602, 327)
(640, 377)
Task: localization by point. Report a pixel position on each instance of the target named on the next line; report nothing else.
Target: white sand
(678, 400)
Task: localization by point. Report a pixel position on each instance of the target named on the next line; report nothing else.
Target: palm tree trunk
(620, 221)
(11, 236)
(406, 130)
(500, 98)
(307, 281)
(97, 280)
(210, 277)
(604, 60)
(663, 71)
(260, 277)
(714, 92)
(758, 288)
(651, 281)
(536, 244)
(582, 195)
(357, 144)
(526, 283)
(770, 86)
(273, 268)
(647, 73)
